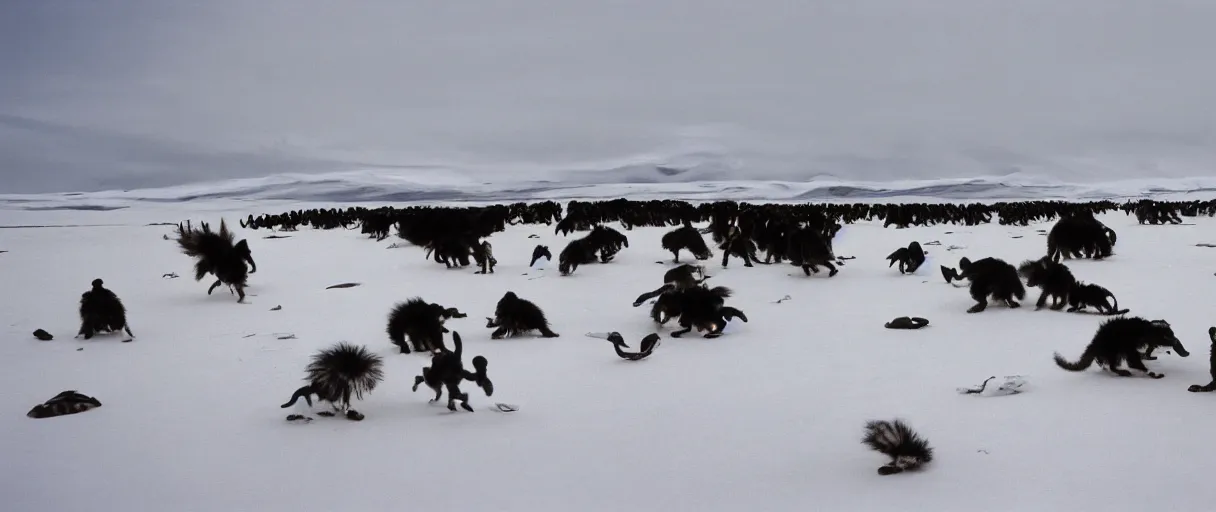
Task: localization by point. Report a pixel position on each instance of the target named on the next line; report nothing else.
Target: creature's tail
(304, 392)
(1086, 360)
(896, 256)
(457, 346)
(1115, 310)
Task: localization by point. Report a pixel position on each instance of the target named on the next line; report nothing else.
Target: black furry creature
(483, 254)
(541, 251)
(600, 245)
(739, 245)
(908, 450)
(990, 277)
(216, 253)
(1211, 386)
(679, 278)
(514, 316)
(910, 258)
(810, 248)
(421, 322)
(102, 311)
(645, 348)
(1055, 279)
(686, 238)
(1080, 234)
(1121, 339)
(698, 307)
(65, 403)
(336, 374)
(447, 371)
(1057, 282)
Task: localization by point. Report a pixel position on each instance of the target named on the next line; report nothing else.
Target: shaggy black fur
(102, 311)
(810, 249)
(1057, 282)
(514, 316)
(67, 402)
(600, 245)
(647, 346)
(1055, 279)
(1119, 340)
(483, 254)
(679, 278)
(910, 258)
(447, 371)
(1094, 296)
(907, 449)
(739, 245)
(697, 307)
(1211, 386)
(1080, 234)
(337, 373)
(991, 277)
(216, 254)
(541, 251)
(686, 238)
(421, 322)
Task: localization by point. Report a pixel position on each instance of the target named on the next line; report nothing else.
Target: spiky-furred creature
(907, 449)
(216, 253)
(336, 374)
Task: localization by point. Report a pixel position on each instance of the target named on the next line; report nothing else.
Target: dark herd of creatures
(795, 234)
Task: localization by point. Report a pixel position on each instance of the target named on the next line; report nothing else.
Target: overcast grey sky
(131, 93)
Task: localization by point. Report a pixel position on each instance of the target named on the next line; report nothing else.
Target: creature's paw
(465, 406)
(1198, 388)
(1156, 375)
(327, 414)
(889, 470)
(354, 415)
(833, 272)
(1149, 358)
(712, 334)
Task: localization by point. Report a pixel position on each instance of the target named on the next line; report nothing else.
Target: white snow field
(768, 417)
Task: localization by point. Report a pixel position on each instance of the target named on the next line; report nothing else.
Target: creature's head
(453, 313)
(564, 267)
(1166, 337)
(97, 284)
(649, 342)
(964, 264)
(617, 339)
(1212, 334)
(703, 255)
(1033, 271)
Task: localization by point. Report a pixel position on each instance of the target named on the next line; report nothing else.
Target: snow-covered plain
(767, 417)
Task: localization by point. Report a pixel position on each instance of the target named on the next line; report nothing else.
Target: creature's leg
(676, 256)
(547, 332)
(831, 267)
(1148, 354)
(418, 380)
(981, 299)
(240, 290)
(806, 269)
(453, 395)
(1043, 301)
(499, 333)
(129, 333)
(1134, 362)
(725, 257)
(214, 286)
(686, 328)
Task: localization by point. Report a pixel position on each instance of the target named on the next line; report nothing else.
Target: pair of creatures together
(804, 247)
(421, 324)
(345, 371)
(993, 277)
